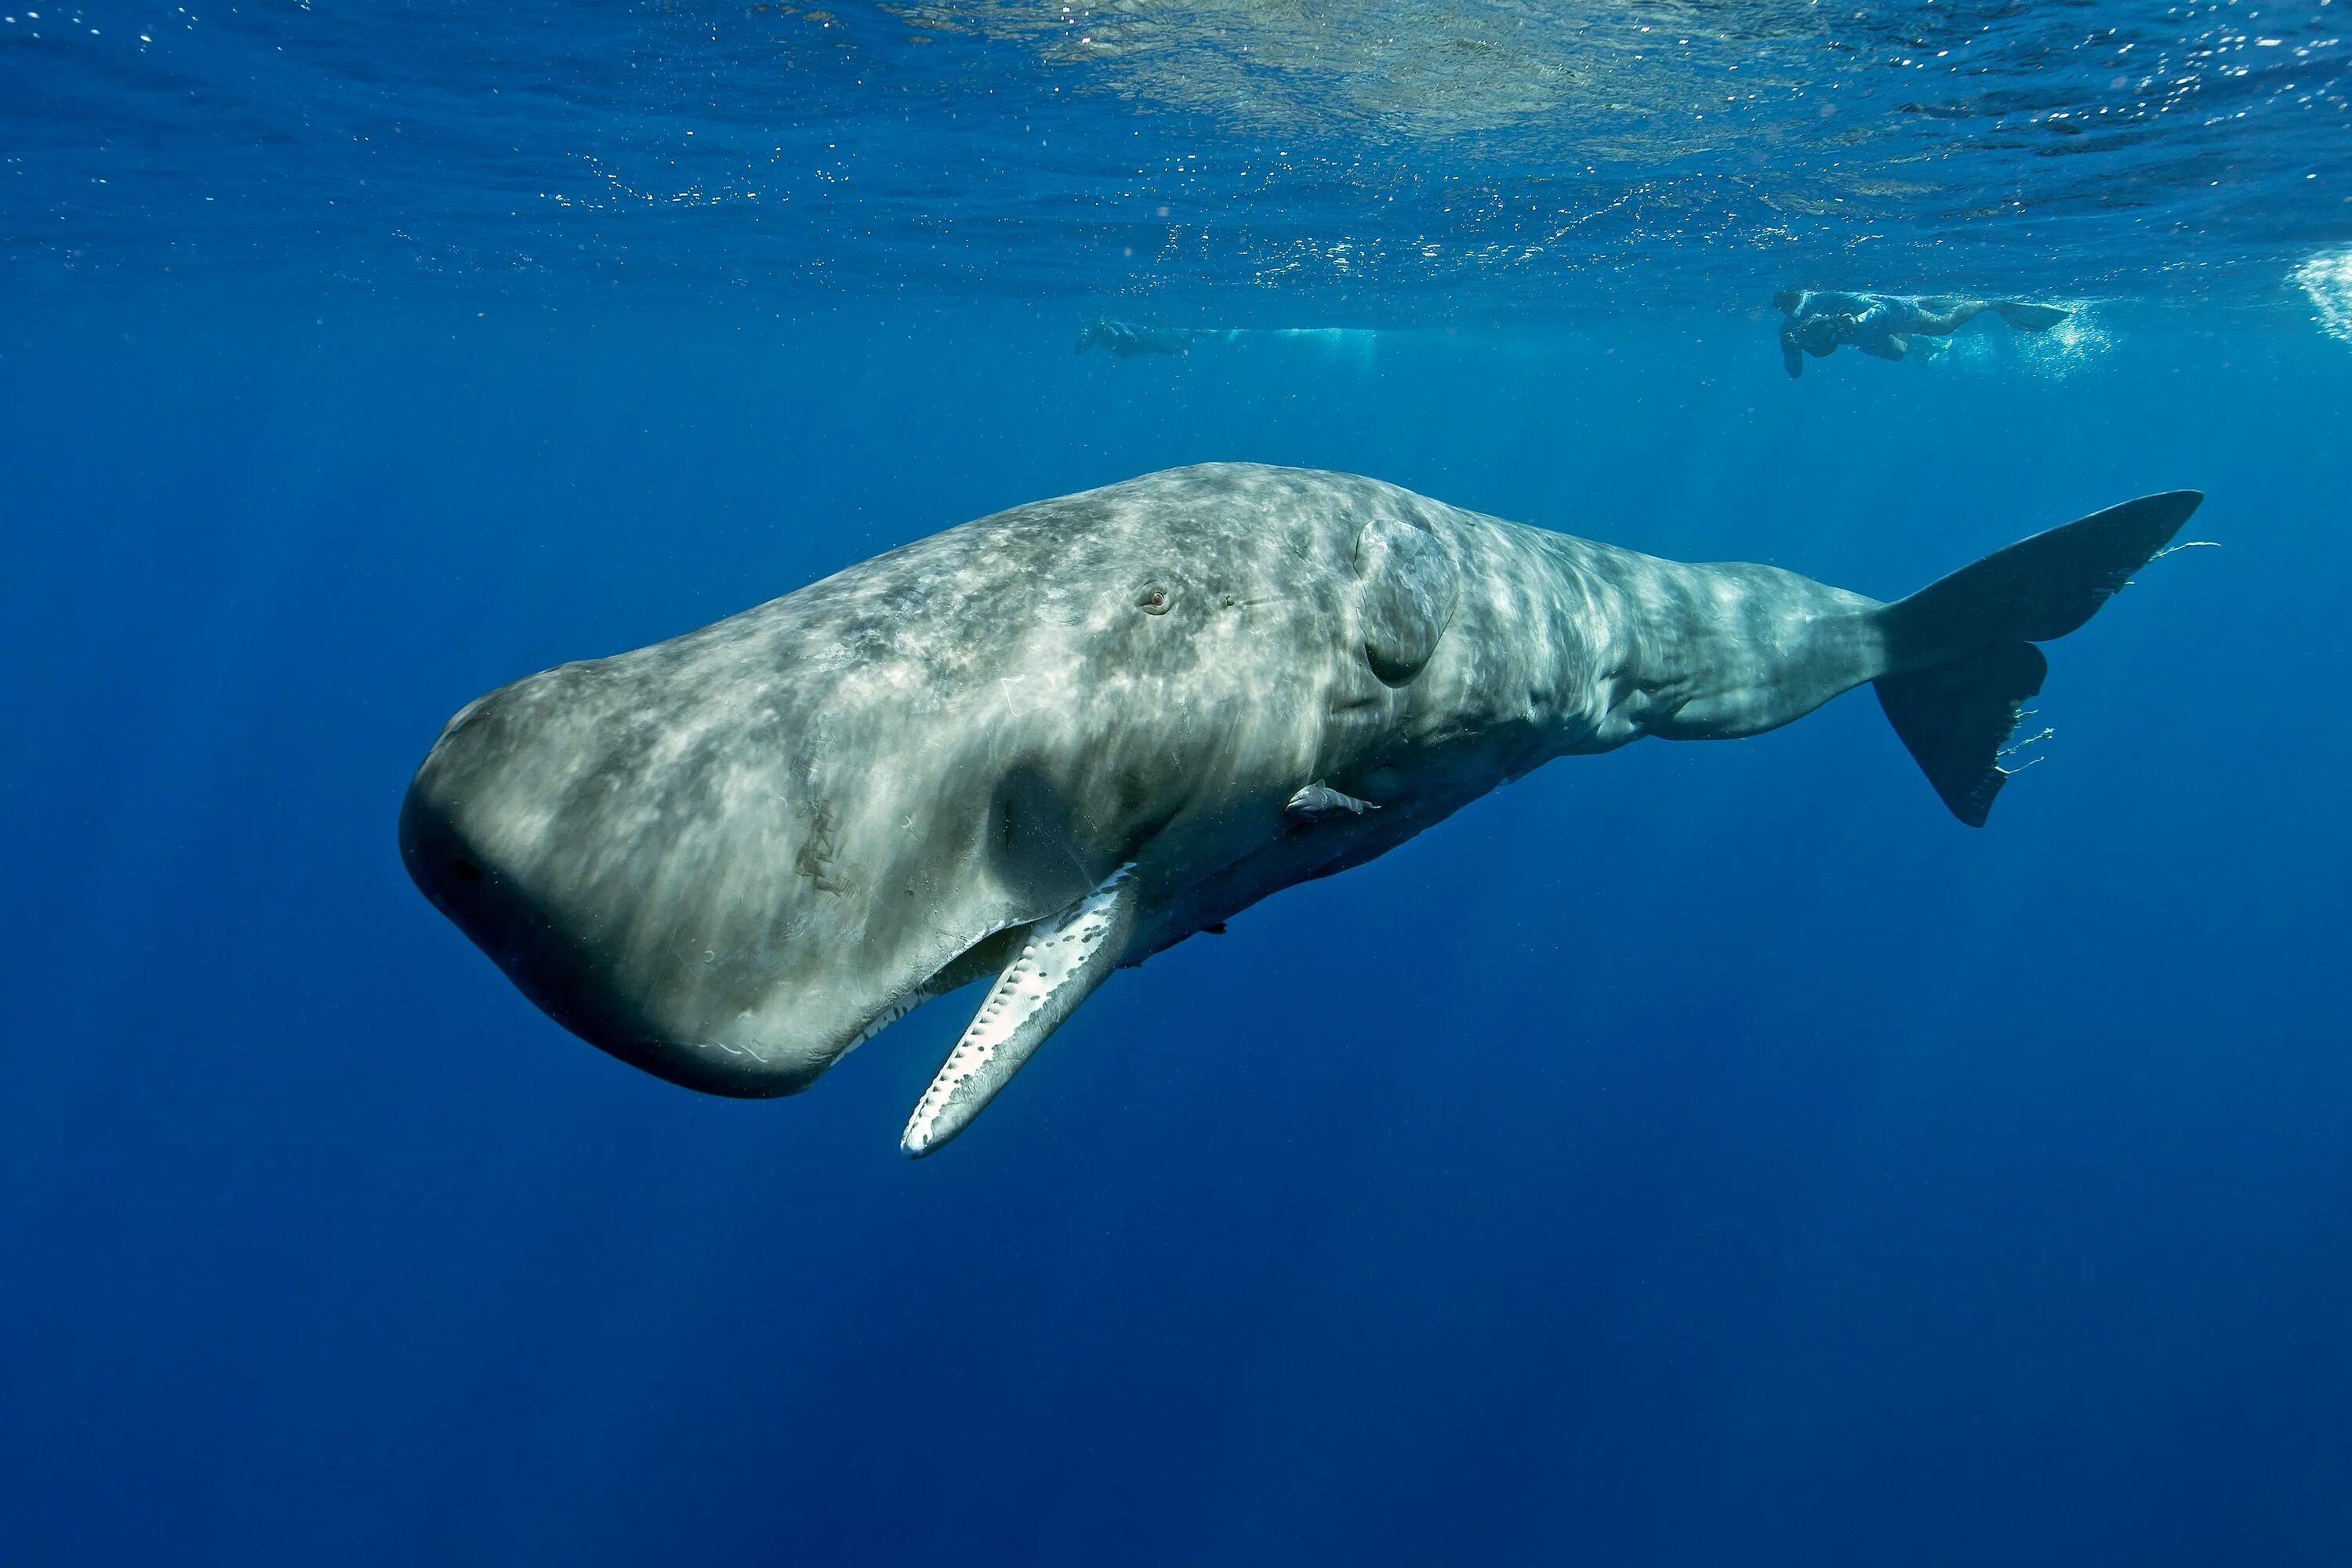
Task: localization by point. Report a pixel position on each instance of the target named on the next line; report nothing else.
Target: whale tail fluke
(1956, 717)
(1961, 651)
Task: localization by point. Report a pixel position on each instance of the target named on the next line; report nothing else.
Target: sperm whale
(1040, 746)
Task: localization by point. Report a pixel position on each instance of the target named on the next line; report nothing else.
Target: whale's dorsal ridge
(1410, 587)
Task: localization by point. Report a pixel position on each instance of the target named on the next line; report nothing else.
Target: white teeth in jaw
(1064, 958)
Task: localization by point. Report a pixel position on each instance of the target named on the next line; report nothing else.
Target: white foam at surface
(1987, 346)
(2327, 281)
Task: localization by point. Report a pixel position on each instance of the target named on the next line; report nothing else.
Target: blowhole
(1153, 601)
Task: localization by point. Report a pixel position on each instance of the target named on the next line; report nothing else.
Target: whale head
(727, 889)
(731, 858)
(1032, 747)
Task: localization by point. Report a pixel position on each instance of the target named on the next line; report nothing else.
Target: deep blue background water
(1701, 1153)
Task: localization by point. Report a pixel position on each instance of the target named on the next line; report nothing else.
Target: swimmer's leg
(1940, 317)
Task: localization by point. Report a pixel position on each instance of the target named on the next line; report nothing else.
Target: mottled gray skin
(729, 858)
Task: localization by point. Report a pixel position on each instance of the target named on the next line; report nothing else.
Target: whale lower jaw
(1043, 969)
(1061, 960)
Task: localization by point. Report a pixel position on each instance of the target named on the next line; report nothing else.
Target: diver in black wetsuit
(1882, 325)
(1127, 340)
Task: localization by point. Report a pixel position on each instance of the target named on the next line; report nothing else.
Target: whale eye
(466, 871)
(1153, 601)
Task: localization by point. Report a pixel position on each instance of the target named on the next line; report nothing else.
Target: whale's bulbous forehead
(725, 858)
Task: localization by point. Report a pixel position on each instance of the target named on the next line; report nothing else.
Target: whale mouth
(982, 959)
(1057, 962)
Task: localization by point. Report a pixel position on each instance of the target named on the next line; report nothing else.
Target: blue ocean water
(1701, 1153)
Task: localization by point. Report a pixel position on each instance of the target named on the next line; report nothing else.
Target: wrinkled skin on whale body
(731, 858)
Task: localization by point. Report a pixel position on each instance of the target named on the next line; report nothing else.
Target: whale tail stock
(1961, 650)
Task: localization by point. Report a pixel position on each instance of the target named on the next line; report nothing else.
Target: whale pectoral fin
(1064, 958)
(1316, 800)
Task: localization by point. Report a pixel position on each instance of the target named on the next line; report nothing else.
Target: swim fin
(2027, 317)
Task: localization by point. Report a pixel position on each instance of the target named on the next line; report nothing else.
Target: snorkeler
(1127, 340)
(1882, 325)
